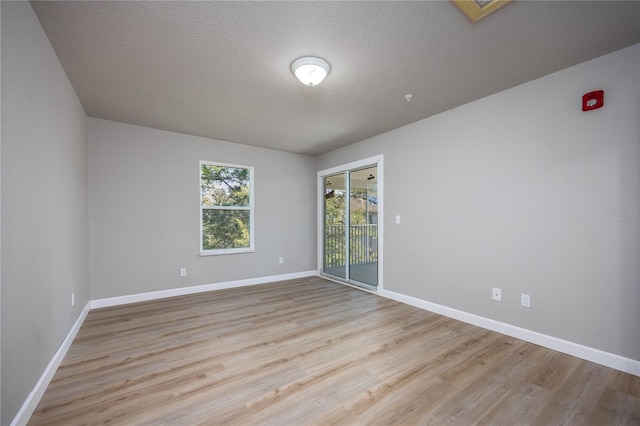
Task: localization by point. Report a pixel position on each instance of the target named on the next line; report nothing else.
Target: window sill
(225, 252)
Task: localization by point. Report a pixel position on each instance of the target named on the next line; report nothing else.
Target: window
(226, 209)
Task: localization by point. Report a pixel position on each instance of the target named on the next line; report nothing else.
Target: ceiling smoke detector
(310, 70)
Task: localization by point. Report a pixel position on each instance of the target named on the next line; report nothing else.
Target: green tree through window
(226, 208)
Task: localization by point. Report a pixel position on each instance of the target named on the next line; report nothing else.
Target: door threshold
(355, 284)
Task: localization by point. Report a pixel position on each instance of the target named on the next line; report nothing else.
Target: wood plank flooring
(315, 352)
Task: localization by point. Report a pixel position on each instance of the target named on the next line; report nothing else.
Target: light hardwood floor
(315, 352)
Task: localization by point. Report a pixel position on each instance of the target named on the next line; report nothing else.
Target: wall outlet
(525, 300)
(496, 294)
(73, 299)
(398, 219)
(281, 260)
(183, 272)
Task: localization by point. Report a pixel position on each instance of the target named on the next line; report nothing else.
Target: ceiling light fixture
(310, 70)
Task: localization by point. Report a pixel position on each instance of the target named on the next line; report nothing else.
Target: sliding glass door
(363, 226)
(335, 231)
(351, 225)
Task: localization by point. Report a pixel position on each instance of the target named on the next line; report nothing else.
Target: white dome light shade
(310, 71)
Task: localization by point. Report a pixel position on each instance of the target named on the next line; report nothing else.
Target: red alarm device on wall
(593, 100)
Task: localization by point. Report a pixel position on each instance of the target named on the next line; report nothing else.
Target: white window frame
(251, 208)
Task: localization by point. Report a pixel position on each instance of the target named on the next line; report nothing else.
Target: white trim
(598, 356)
(319, 223)
(224, 252)
(584, 352)
(30, 404)
(250, 209)
(182, 291)
(351, 166)
(378, 161)
(380, 189)
(347, 222)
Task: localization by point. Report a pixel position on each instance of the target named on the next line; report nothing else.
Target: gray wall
(44, 205)
(144, 210)
(0, 215)
(522, 191)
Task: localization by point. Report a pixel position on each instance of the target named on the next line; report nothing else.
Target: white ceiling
(222, 69)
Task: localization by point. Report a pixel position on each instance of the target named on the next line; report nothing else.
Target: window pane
(225, 229)
(334, 226)
(224, 186)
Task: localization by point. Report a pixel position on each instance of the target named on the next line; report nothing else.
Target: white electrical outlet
(496, 294)
(525, 300)
(73, 299)
(281, 260)
(398, 219)
(183, 272)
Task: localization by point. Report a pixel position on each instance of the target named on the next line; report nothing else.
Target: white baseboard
(153, 295)
(590, 354)
(598, 356)
(30, 404)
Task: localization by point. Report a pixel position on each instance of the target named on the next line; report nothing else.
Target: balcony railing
(363, 245)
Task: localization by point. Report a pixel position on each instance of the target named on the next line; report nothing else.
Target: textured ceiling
(222, 69)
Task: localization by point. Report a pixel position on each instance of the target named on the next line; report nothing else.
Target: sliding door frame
(377, 161)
